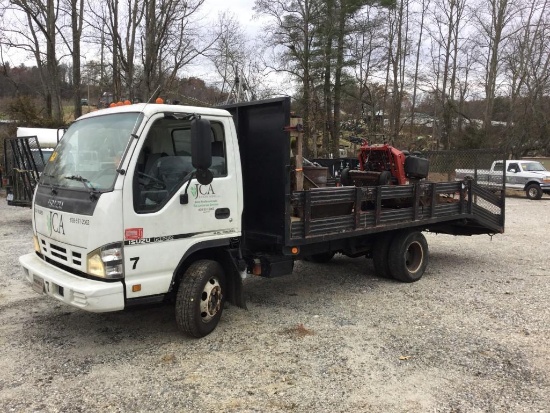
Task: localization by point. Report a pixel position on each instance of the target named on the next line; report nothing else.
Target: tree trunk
(77, 8)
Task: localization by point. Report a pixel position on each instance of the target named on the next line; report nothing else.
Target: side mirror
(201, 150)
(201, 146)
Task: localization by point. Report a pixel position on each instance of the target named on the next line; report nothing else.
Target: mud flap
(235, 288)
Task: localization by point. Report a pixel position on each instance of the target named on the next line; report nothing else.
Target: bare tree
(368, 53)
(527, 70)
(116, 25)
(398, 48)
(493, 18)
(170, 39)
(232, 59)
(291, 29)
(75, 10)
(423, 10)
(37, 32)
(449, 19)
(127, 51)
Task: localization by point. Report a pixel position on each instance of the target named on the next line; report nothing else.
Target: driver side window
(165, 165)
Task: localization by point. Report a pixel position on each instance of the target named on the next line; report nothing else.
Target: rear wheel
(200, 299)
(380, 257)
(408, 256)
(321, 258)
(533, 191)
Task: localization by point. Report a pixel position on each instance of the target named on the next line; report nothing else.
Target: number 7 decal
(135, 259)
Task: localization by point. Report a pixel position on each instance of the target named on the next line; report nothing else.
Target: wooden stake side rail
(325, 213)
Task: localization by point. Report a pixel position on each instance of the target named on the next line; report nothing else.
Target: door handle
(222, 213)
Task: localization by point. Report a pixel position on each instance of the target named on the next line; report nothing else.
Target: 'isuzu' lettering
(55, 204)
(150, 240)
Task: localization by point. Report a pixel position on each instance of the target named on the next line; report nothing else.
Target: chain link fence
(475, 163)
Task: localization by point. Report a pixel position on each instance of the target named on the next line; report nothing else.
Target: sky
(241, 8)
(252, 26)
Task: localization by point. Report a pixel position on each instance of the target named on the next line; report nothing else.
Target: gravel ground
(471, 336)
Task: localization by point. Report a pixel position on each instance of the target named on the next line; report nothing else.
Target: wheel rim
(414, 257)
(533, 192)
(211, 300)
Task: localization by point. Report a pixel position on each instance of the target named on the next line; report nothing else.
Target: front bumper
(90, 295)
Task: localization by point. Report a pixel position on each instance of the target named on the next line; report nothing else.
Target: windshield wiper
(86, 183)
(53, 187)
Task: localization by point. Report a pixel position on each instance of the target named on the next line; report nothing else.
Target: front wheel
(408, 256)
(533, 191)
(200, 299)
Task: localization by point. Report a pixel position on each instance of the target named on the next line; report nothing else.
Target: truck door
(513, 176)
(159, 228)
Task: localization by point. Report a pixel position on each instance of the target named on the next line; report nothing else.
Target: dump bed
(277, 218)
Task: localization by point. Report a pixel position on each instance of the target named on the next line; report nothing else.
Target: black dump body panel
(265, 158)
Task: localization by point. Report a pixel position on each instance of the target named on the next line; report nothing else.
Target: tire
(321, 258)
(200, 298)
(345, 179)
(380, 255)
(533, 191)
(384, 178)
(408, 256)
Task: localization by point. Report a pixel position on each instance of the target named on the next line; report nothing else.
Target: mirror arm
(184, 198)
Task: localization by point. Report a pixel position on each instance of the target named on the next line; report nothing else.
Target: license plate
(38, 284)
(9, 197)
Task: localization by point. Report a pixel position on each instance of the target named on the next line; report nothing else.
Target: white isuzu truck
(150, 202)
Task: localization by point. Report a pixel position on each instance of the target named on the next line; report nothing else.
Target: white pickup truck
(522, 175)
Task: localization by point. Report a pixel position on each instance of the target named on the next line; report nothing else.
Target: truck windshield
(90, 152)
(533, 166)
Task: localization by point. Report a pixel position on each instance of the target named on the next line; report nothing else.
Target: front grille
(77, 258)
(58, 252)
(63, 255)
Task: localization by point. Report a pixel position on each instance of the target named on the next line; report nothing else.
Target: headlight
(107, 262)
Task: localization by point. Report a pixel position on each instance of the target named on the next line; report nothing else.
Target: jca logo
(202, 190)
(54, 222)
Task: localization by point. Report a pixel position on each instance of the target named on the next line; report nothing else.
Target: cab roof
(150, 109)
